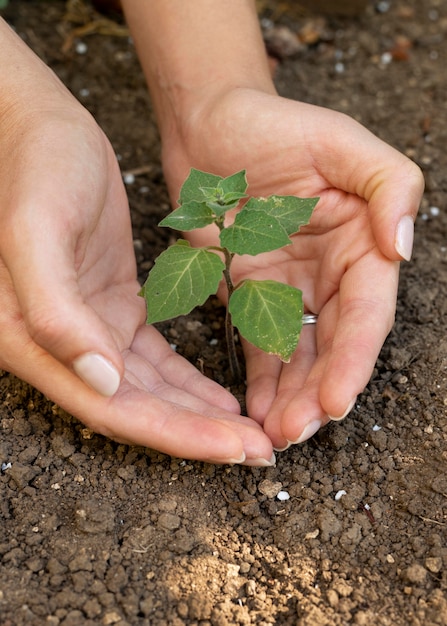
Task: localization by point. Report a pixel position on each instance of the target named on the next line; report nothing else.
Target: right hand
(70, 313)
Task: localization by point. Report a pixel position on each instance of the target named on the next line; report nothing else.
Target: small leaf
(269, 315)
(292, 212)
(220, 207)
(211, 194)
(189, 216)
(215, 200)
(254, 232)
(236, 183)
(191, 188)
(181, 279)
(220, 201)
(233, 197)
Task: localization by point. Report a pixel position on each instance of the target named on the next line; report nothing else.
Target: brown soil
(93, 532)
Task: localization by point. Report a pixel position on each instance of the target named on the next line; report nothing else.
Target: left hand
(345, 261)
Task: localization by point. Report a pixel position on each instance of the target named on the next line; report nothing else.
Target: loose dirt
(93, 532)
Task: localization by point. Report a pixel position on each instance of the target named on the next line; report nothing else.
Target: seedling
(267, 313)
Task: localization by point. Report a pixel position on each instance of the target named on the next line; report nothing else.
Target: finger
(197, 415)
(269, 380)
(297, 402)
(351, 330)
(194, 430)
(191, 390)
(201, 432)
(178, 372)
(262, 374)
(366, 316)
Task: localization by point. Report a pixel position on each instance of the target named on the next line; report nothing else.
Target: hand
(345, 261)
(70, 312)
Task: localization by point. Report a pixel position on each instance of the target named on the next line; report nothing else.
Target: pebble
(111, 618)
(283, 496)
(62, 447)
(433, 564)
(22, 475)
(340, 494)
(269, 488)
(383, 7)
(81, 47)
(390, 558)
(416, 574)
(193, 325)
(250, 587)
(129, 179)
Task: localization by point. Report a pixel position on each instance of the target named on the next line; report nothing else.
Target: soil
(93, 532)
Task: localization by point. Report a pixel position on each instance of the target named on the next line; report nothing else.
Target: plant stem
(235, 368)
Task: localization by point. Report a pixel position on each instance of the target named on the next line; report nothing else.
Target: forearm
(192, 51)
(27, 86)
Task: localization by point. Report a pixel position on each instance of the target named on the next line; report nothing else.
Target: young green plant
(266, 313)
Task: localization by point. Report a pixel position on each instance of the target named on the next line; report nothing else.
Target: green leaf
(216, 201)
(236, 183)
(191, 188)
(269, 315)
(227, 194)
(292, 212)
(254, 232)
(232, 197)
(181, 279)
(189, 216)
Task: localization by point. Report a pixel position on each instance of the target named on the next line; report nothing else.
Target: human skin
(71, 321)
(218, 111)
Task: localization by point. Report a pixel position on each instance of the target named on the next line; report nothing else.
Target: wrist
(193, 54)
(28, 87)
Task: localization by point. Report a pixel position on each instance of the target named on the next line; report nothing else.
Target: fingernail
(98, 372)
(260, 462)
(342, 417)
(309, 431)
(233, 461)
(286, 447)
(405, 237)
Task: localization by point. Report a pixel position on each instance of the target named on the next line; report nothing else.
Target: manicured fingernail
(342, 417)
(309, 431)
(405, 237)
(98, 372)
(260, 462)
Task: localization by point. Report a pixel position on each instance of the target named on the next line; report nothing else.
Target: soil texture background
(93, 532)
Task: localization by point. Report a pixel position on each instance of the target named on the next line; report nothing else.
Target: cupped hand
(71, 321)
(346, 261)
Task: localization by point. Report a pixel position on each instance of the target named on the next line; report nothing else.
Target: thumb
(393, 205)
